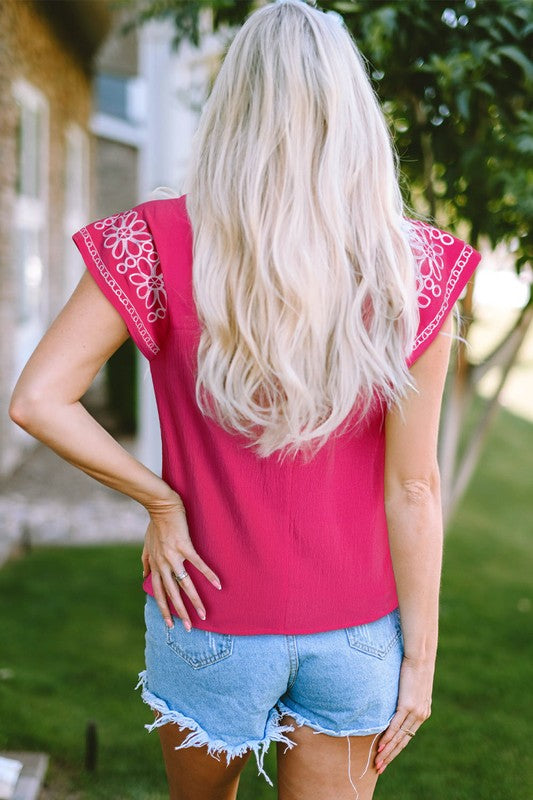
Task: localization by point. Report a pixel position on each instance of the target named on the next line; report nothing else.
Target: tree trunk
(455, 477)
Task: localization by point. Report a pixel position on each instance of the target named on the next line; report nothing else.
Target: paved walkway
(47, 500)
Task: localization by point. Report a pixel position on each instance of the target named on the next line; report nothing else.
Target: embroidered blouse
(299, 547)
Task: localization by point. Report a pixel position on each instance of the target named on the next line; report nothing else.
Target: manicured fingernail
(169, 622)
(217, 584)
(380, 748)
(187, 625)
(201, 613)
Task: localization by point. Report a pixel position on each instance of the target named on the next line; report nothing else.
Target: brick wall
(31, 49)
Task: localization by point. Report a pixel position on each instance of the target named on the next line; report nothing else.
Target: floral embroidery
(126, 236)
(431, 248)
(131, 244)
(118, 290)
(430, 256)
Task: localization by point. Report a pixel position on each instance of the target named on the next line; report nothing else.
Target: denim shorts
(340, 682)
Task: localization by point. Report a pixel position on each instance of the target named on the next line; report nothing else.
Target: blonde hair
(303, 273)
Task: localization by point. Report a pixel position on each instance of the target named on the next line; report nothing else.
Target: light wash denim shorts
(341, 682)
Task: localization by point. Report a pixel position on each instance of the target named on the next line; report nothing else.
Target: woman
(293, 553)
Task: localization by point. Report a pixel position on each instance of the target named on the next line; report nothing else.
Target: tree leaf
(519, 58)
(485, 87)
(344, 6)
(463, 103)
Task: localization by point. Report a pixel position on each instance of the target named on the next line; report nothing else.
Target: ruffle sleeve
(120, 253)
(446, 264)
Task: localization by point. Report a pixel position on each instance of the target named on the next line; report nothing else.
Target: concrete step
(33, 772)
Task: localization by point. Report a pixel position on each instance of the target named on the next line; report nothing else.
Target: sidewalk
(48, 500)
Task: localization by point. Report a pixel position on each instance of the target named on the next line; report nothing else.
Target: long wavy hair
(303, 273)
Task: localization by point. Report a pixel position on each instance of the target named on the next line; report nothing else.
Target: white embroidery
(127, 236)
(120, 293)
(429, 246)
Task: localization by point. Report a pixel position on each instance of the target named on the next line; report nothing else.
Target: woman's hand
(167, 543)
(414, 707)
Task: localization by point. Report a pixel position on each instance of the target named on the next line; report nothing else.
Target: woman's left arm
(46, 403)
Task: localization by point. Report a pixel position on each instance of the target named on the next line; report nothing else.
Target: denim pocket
(199, 648)
(377, 637)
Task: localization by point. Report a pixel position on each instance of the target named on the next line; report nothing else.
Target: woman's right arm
(46, 402)
(414, 518)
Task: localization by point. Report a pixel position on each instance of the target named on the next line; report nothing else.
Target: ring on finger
(411, 733)
(182, 575)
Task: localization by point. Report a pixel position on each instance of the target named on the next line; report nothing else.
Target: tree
(455, 79)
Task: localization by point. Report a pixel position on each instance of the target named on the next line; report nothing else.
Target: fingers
(160, 598)
(145, 560)
(395, 738)
(200, 565)
(188, 587)
(172, 589)
(166, 583)
(393, 732)
(164, 586)
(164, 558)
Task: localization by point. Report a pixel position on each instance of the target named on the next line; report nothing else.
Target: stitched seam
(455, 274)
(357, 644)
(294, 664)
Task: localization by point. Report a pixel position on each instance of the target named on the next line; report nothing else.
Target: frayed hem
(274, 732)
(319, 729)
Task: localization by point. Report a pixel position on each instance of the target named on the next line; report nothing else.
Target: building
(46, 52)
(95, 119)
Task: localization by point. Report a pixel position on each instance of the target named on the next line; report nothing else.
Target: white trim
(30, 216)
(437, 278)
(120, 293)
(136, 100)
(27, 93)
(457, 270)
(76, 196)
(117, 130)
(75, 201)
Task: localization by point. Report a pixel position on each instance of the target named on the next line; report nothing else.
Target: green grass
(72, 632)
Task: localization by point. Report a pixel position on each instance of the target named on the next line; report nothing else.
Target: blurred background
(99, 101)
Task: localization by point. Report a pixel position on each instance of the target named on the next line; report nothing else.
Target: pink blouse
(299, 547)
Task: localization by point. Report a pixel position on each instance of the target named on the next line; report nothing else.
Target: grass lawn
(72, 640)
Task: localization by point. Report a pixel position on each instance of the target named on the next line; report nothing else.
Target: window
(30, 228)
(76, 203)
(112, 94)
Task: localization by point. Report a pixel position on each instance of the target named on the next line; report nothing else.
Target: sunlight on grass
(490, 326)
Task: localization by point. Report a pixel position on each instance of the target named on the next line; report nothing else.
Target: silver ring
(411, 733)
(182, 575)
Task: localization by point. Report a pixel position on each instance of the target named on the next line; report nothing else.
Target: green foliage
(456, 81)
(186, 15)
(121, 370)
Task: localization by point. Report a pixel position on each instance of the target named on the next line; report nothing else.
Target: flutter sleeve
(445, 265)
(120, 253)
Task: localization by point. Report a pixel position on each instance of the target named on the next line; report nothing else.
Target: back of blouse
(299, 546)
